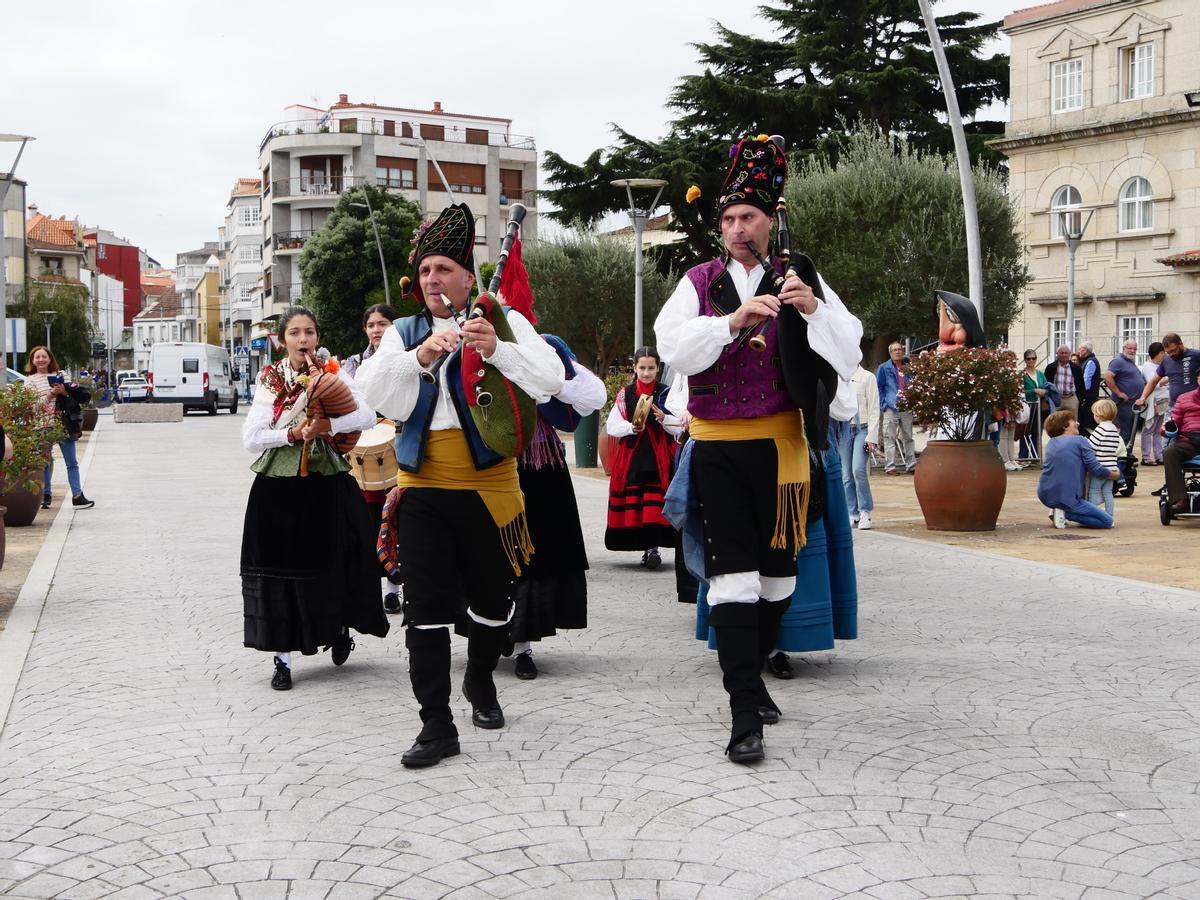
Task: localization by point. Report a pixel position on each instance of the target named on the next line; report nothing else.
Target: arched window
(1065, 198)
(1137, 209)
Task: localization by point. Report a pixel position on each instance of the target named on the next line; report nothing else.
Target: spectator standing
(1125, 383)
(1156, 408)
(1180, 366)
(1090, 393)
(855, 439)
(67, 399)
(1068, 458)
(1067, 378)
(1108, 445)
(1037, 390)
(890, 379)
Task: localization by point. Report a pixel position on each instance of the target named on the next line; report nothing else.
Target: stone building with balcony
(314, 156)
(1105, 122)
(55, 249)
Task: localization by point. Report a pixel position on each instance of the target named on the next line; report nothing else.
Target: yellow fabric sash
(793, 480)
(447, 465)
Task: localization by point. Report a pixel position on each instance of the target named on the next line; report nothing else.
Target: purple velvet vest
(742, 383)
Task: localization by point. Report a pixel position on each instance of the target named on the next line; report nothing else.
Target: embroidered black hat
(757, 171)
(451, 234)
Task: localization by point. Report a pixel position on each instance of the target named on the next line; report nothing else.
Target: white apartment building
(242, 264)
(1105, 122)
(315, 155)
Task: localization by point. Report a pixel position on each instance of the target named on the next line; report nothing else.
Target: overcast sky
(146, 112)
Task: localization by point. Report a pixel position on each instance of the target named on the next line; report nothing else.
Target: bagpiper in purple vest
(742, 383)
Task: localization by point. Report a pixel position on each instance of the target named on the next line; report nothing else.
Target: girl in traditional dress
(376, 320)
(642, 462)
(308, 570)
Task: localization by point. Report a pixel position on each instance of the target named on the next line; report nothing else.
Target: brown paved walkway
(1137, 547)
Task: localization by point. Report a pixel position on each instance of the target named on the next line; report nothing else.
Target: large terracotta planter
(90, 418)
(22, 508)
(604, 444)
(960, 485)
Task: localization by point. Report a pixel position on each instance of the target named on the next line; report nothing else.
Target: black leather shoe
(391, 604)
(768, 714)
(749, 749)
(487, 716)
(1159, 492)
(47, 499)
(779, 666)
(525, 668)
(282, 680)
(653, 560)
(429, 753)
(340, 648)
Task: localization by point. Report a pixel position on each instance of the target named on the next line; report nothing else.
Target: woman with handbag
(67, 398)
(1037, 390)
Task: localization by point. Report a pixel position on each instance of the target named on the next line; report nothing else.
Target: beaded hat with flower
(757, 171)
(451, 234)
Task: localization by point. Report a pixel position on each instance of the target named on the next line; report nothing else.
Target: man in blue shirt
(1125, 383)
(1181, 368)
(897, 423)
(1068, 458)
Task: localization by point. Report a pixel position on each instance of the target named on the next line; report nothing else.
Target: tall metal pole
(1072, 236)
(639, 224)
(970, 210)
(387, 295)
(4, 186)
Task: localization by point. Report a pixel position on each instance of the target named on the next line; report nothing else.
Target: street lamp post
(639, 217)
(1072, 226)
(48, 317)
(387, 295)
(4, 186)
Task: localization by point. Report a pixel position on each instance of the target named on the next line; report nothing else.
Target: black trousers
(1174, 456)
(450, 550)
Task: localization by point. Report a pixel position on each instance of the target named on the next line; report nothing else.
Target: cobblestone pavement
(1002, 729)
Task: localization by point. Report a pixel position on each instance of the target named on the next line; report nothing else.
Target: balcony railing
(314, 185)
(375, 126)
(284, 292)
(527, 198)
(291, 240)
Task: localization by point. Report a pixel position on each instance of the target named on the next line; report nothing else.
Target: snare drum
(373, 459)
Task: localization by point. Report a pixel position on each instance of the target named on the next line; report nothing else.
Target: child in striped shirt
(1108, 446)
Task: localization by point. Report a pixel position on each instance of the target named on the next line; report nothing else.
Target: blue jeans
(1100, 492)
(1089, 515)
(851, 443)
(68, 451)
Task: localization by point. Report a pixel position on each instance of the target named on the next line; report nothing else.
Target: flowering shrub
(946, 391)
(33, 427)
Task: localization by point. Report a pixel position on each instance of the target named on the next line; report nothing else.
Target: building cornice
(1099, 129)
(1034, 17)
(1124, 296)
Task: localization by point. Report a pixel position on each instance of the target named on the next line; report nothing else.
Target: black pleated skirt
(308, 564)
(552, 593)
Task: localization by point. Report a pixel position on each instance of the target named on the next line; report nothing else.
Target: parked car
(133, 390)
(197, 375)
(122, 374)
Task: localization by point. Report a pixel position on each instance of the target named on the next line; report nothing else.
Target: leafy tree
(826, 63)
(583, 285)
(885, 226)
(340, 264)
(70, 330)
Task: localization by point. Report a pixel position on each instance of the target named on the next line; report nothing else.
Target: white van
(197, 375)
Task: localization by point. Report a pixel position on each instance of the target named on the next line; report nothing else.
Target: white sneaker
(853, 521)
(1012, 467)
(1060, 519)
(864, 522)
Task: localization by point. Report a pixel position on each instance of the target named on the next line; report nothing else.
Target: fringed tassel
(517, 542)
(791, 516)
(547, 449)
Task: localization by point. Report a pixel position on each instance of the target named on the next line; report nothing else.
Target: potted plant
(33, 427)
(91, 411)
(960, 479)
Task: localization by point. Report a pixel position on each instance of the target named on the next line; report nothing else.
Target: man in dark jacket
(1089, 365)
(1067, 379)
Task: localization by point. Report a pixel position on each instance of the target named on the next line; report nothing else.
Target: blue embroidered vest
(410, 443)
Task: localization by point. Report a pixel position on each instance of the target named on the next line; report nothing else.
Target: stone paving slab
(1002, 729)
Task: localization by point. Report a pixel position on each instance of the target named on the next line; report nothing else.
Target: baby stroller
(1128, 464)
(1191, 484)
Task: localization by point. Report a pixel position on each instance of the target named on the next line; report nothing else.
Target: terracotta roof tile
(1046, 10)
(247, 187)
(1186, 258)
(52, 232)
